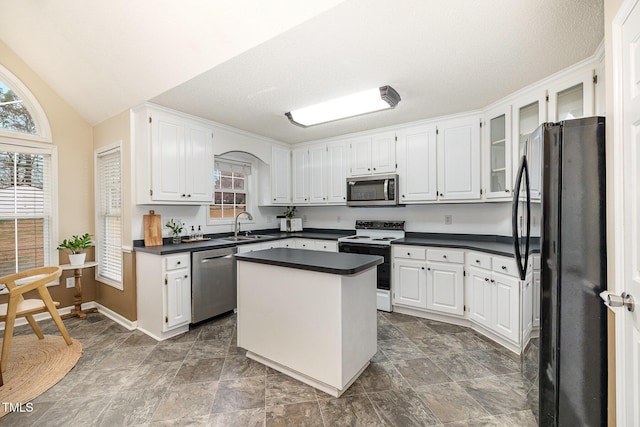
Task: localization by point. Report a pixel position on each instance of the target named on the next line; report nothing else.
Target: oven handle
(363, 245)
(386, 189)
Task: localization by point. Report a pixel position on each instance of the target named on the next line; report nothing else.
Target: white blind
(108, 227)
(25, 210)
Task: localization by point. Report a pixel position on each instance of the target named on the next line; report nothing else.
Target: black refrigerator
(572, 376)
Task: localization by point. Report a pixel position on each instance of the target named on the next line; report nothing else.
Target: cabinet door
(410, 283)
(572, 98)
(325, 245)
(167, 158)
(280, 175)
(336, 172)
(481, 292)
(529, 113)
(360, 157)
(536, 299)
(300, 167)
(199, 166)
(445, 288)
(497, 153)
(459, 159)
(383, 153)
(250, 248)
(417, 164)
(507, 306)
(527, 305)
(317, 174)
(177, 298)
(304, 244)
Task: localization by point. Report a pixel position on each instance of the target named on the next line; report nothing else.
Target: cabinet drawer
(175, 262)
(409, 252)
(304, 244)
(476, 259)
(444, 255)
(328, 246)
(505, 266)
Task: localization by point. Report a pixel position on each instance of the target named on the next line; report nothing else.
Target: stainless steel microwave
(380, 190)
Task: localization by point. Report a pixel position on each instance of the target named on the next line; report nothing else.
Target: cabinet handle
(184, 195)
(323, 198)
(486, 279)
(344, 198)
(186, 276)
(422, 268)
(179, 262)
(441, 195)
(429, 269)
(368, 169)
(493, 281)
(274, 199)
(403, 196)
(477, 261)
(504, 267)
(444, 256)
(374, 168)
(305, 199)
(506, 190)
(408, 253)
(188, 195)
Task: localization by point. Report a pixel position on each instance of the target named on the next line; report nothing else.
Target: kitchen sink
(245, 238)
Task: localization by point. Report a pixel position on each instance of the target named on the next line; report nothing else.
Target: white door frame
(616, 244)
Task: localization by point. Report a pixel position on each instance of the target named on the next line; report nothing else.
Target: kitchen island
(309, 314)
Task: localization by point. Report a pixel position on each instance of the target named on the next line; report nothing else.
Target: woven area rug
(34, 366)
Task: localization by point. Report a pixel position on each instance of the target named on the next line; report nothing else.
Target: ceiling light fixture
(369, 101)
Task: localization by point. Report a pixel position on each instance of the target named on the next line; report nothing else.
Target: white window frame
(117, 146)
(43, 130)
(249, 183)
(7, 144)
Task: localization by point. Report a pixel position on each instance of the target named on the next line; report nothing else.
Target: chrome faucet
(235, 229)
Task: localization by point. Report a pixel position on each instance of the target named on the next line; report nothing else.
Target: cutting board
(152, 229)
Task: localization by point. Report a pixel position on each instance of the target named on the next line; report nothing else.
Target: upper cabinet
(372, 155)
(497, 145)
(417, 164)
(174, 158)
(458, 150)
(280, 176)
(529, 112)
(572, 97)
(319, 174)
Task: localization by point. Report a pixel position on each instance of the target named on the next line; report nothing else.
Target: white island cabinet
(311, 315)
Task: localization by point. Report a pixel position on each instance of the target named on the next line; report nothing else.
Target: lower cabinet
(310, 244)
(421, 282)
(165, 282)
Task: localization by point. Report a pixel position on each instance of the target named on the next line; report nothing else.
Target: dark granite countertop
(320, 261)
(216, 242)
(497, 245)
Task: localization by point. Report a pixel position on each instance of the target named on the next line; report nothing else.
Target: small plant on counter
(290, 212)
(76, 244)
(175, 227)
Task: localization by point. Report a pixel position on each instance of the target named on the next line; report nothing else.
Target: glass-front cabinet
(497, 153)
(572, 98)
(528, 113)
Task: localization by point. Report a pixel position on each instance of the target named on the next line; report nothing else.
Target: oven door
(384, 269)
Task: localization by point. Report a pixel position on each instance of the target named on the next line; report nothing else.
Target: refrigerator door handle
(522, 178)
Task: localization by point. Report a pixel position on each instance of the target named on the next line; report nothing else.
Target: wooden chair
(20, 307)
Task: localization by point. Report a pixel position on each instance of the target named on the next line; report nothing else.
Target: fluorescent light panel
(368, 101)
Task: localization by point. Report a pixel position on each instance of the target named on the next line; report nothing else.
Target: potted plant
(76, 246)
(289, 213)
(176, 228)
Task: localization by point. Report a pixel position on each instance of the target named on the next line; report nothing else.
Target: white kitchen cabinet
(410, 283)
(496, 300)
(174, 158)
(336, 172)
(572, 97)
(165, 283)
(417, 164)
(497, 145)
(445, 288)
(300, 172)
(317, 157)
(458, 151)
(280, 176)
(325, 245)
(372, 155)
(529, 112)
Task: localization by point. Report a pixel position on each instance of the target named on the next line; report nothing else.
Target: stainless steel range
(374, 238)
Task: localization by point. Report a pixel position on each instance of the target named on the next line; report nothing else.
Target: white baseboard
(124, 322)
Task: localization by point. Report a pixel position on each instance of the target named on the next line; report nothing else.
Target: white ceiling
(246, 63)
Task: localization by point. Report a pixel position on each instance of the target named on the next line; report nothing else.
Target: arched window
(20, 113)
(28, 180)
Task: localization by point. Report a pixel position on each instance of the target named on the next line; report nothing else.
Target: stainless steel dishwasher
(213, 286)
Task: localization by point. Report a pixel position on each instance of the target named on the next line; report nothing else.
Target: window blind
(109, 222)
(25, 210)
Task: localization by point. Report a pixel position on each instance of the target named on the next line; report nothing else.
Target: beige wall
(74, 139)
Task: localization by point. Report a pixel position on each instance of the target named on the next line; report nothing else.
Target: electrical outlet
(71, 282)
(338, 219)
(304, 218)
(448, 219)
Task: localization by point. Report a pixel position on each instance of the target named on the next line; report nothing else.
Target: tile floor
(425, 373)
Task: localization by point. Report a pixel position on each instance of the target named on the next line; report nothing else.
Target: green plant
(175, 227)
(76, 244)
(290, 212)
